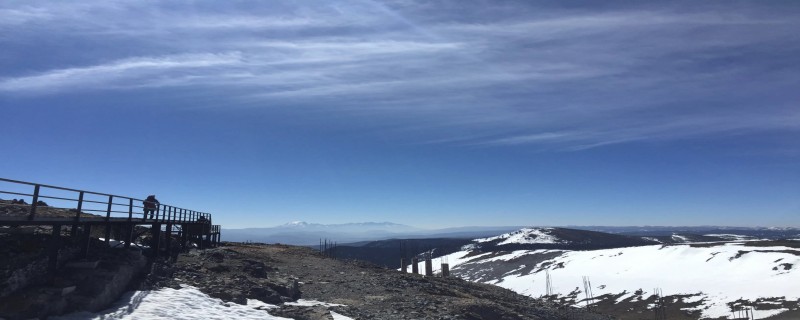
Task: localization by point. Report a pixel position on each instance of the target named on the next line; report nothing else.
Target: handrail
(163, 212)
(65, 189)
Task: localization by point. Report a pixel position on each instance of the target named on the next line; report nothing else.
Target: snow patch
(680, 238)
(167, 303)
(337, 316)
(731, 237)
(312, 303)
(735, 272)
(652, 239)
(525, 236)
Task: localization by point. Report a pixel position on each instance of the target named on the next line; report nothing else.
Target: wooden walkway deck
(120, 218)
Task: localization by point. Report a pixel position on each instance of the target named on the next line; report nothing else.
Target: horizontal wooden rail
(114, 207)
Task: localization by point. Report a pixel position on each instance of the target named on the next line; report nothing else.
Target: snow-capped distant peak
(351, 224)
(296, 224)
(526, 236)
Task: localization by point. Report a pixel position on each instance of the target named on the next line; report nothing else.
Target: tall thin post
(87, 240)
(55, 244)
(129, 235)
(184, 236)
(200, 237)
(130, 209)
(168, 239)
(80, 207)
(156, 232)
(428, 264)
(144, 211)
(34, 202)
(77, 215)
(108, 219)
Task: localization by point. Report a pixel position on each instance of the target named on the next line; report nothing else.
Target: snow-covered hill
(526, 236)
(699, 279)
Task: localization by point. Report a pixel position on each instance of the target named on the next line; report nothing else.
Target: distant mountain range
(305, 233)
(666, 231)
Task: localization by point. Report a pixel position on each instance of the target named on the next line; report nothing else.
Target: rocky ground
(276, 274)
(29, 291)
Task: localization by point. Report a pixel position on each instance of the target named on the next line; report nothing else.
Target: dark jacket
(151, 202)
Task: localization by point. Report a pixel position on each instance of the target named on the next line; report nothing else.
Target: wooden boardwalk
(119, 218)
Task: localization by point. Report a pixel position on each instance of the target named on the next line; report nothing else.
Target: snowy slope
(526, 236)
(185, 303)
(712, 274)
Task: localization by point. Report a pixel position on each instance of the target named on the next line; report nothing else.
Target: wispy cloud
(22, 15)
(109, 74)
(553, 77)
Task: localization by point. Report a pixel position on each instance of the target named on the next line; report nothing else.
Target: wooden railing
(97, 203)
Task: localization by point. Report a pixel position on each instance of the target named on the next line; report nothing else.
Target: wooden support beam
(34, 202)
(87, 240)
(52, 250)
(108, 219)
(77, 215)
(131, 228)
(168, 238)
(156, 245)
(184, 236)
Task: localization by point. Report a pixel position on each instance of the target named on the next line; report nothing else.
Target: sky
(427, 113)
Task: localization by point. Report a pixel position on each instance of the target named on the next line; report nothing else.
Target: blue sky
(429, 113)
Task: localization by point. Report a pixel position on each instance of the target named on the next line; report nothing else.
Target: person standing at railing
(150, 205)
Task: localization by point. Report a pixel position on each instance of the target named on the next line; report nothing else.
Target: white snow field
(526, 235)
(719, 273)
(185, 303)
